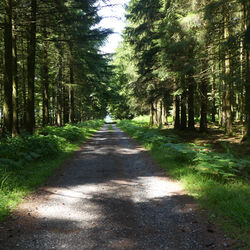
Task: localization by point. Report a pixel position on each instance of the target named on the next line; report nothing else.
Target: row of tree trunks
(183, 106)
(65, 107)
(158, 113)
(19, 114)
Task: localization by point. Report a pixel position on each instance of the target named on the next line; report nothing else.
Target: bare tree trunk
(160, 113)
(59, 91)
(8, 66)
(213, 94)
(228, 87)
(152, 113)
(155, 114)
(204, 99)
(164, 114)
(191, 103)
(15, 128)
(71, 96)
(30, 110)
(65, 105)
(247, 56)
(176, 110)
(183, 111)
(53, 115)
(23, 84)
(45, 81)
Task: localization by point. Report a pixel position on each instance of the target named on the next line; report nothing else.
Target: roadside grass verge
(27, 161)
(218, 181)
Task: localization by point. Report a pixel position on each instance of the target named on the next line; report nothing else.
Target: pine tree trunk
(176, 110)
(8, 74)
(24, 104)
(239, 100)
(213, 94)
(152, 114)
(53, 115)
(71, 96)
(59, 91)
(160, 113)
(15, 128)
(204, 99)
(45, 82)
(183, 111)
(65, 106)
(247, 58)
(31, 50)
(191, 103)
(228, 87)
(164, 114)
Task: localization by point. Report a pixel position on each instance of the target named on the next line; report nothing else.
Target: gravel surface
(110, 196)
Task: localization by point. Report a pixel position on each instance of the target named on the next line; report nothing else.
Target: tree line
(189, 59)
(51, 69)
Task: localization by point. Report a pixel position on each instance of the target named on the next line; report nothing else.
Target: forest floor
(111, 195)
(217, 138)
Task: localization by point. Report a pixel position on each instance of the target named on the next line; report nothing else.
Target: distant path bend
(109, 196)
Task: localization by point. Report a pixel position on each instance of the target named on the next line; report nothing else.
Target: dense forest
(51, 69)
(185, 59)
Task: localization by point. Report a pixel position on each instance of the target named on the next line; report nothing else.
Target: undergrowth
(214, 179)
(26, 161)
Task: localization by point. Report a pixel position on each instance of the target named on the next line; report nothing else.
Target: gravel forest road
(111, 195)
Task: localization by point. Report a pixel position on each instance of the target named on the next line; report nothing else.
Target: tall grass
(214, 179)
(26, 161)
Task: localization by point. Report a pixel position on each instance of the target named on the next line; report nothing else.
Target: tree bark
(15, 128)
(191, 103)
(71, 96)
(204, 101)
(228, 87)
(59, 91)
(183, 111)
(45, 82)
(176, 110)
(24, 104)
(8, 70)
(247, 56)
(151, 113)
(31, 60)
(213, 94)
(65, 105)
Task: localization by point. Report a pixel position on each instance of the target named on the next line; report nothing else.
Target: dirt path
(110, 196)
